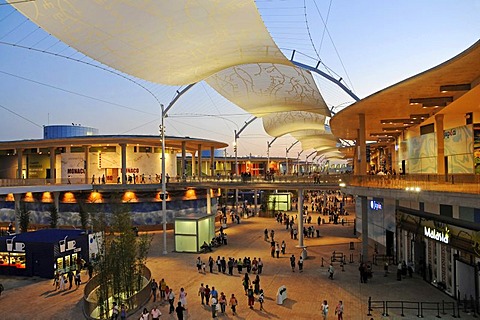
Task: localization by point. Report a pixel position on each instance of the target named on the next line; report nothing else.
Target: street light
(164, 183)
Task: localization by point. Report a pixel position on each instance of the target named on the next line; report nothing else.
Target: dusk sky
(369, 44)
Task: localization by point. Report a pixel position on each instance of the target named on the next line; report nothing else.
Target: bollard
(438, 310)
(322, 262)
(351, 257)
(369, 306)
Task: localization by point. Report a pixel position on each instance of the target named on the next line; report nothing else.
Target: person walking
(261, 298)
(233, 304)
(207, 295)
(155, 313)
(123, 311)
(115, 311)
(260, 265)
(256, 284)
(251, 297)
(292, 262)
(223, 302)
(201, 293)
(331, 271)
(162, 286)
(179, 310)
(171, 300)
(339, 310)
(284, 246)
(300, 264)
(145, 315)
(154, 287)
(277, 249)
(214, 307)
(324, 309)
(265, 235)
(183, 297)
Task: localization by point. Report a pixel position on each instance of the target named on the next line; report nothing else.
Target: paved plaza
(36, 298)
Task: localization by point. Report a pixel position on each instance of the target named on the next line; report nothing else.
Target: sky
(369, 44)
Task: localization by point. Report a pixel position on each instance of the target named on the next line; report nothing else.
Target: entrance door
(36, 258)
(389, 242)
(403, 167)
(419, 257)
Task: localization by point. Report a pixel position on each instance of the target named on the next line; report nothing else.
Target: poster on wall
(476, 147)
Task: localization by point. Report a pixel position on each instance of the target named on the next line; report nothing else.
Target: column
(85, 165)
(300, 219)
(209, 201)
(255, 202)
(199, 162)
(123, 148)
(19, 163)
(18, 198)
(53, 174)
(194, 167)
(441, 170)
(184, 159)
(364, 214)
(362, 147)
(212, 164)
(56, 201)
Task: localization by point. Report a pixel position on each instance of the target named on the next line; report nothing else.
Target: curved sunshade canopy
(169, 42)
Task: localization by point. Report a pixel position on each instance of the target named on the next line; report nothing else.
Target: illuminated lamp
(28, 197)
(129, 196)
(69, 197)
(9, 197)
(190, 194)
(95, 197)
(47, 197)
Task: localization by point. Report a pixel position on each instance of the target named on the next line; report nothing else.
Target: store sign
(375, 205)
(442, 236)
(15, 246)
(67, 245)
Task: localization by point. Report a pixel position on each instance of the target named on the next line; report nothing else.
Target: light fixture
(455, 87)
(431, 102)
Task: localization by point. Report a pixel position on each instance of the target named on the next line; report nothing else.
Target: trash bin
(281, 294)
(304, 253)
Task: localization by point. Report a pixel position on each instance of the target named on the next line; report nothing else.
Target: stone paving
(36, 298)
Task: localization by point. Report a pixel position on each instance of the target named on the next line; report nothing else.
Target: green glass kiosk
(191, 232)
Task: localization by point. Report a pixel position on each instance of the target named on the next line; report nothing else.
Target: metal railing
(418, 307)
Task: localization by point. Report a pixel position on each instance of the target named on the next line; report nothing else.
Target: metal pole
(268, 158)
(286, 161)
(164, 183)
(236, 170)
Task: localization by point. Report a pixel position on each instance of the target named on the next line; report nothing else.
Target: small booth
(41, 253)
(191, 232)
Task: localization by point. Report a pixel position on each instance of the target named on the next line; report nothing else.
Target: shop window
(9, 259)
(77, 149)
(446, 210)
(60, 265)
(429, 128)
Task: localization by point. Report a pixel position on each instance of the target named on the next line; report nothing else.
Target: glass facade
(66, 131)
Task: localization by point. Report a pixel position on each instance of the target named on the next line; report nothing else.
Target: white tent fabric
(169, 42)
(267, 88)
(185, 41)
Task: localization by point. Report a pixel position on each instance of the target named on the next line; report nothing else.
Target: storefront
(41, 253)
(443, 254)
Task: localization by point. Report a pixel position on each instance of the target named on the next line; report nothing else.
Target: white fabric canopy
(169, 42)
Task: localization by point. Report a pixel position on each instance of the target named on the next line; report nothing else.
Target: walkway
(306, 290)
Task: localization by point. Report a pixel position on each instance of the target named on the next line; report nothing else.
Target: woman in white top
(325, 309)
(183, 297)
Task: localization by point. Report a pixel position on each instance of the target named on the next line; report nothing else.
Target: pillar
(255, 202)
(19, 163)
(56, 200)
(194, 167)
(212, 164)
(209, 201)
(441, 170)
(184, 159)
(364, 214)
(18, 198)
(361, 146)
(85, 163)
(123, 151)
(300, 219)
(199, 162)
(53, 174)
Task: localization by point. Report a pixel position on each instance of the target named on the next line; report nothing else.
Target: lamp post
(269, 144)
(286, 155)
(164, 182)
(235, 149)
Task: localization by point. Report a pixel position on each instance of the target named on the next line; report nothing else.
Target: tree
(121, 260)
(24, 217)
(53, 217)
